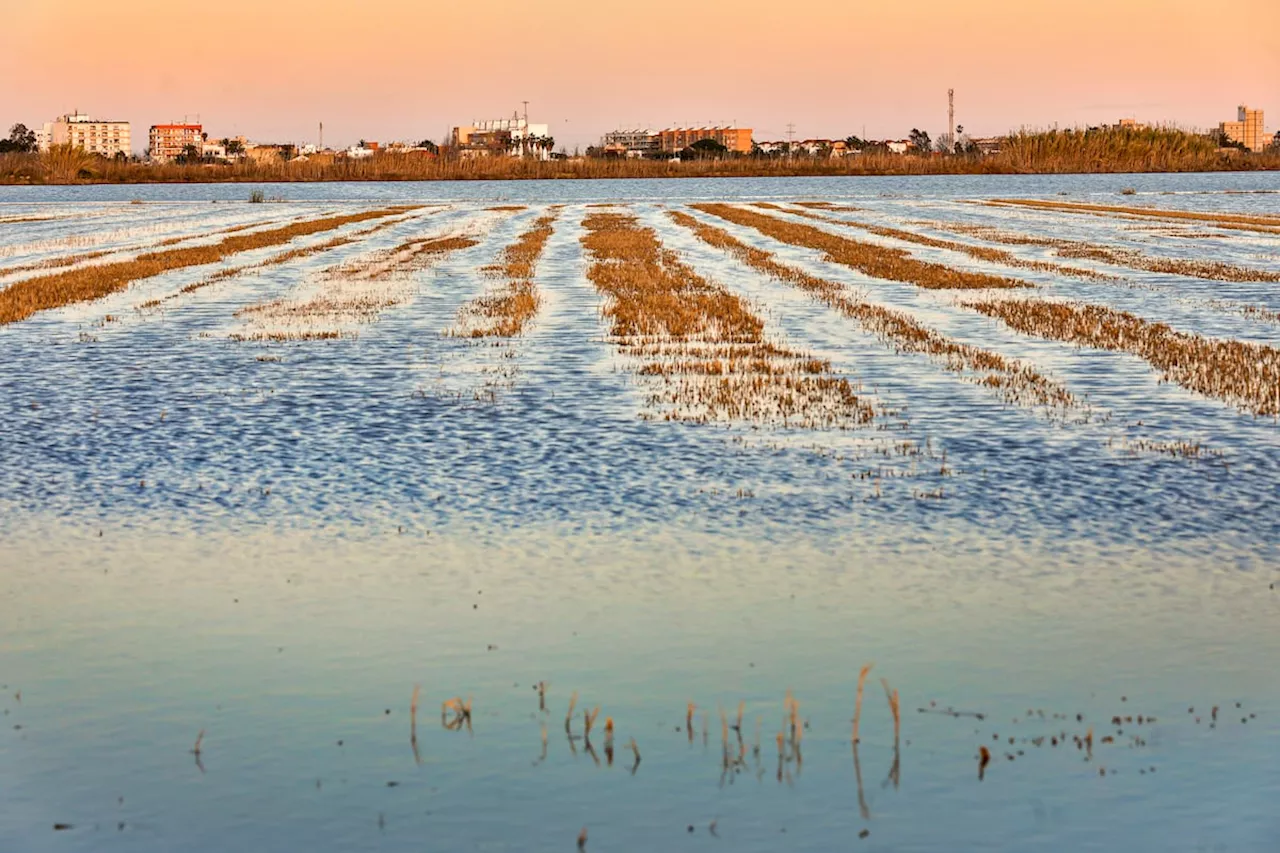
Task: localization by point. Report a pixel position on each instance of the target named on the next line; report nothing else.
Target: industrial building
(676, 139)
(169, 141)
(107, 138)
(1247, 129)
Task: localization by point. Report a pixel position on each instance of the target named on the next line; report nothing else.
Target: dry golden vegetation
(505, 312)
(1116, 256)
(872, 260)
(982, 253)
(1238, 222)
(1245, 374)
(23, 298)
(349, 294)
(702, 345)
(1017, 383)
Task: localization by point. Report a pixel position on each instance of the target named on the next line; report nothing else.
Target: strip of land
(1239, 222)
(504, 313)
(22, 299)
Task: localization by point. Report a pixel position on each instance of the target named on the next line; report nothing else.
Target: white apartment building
(107, 138)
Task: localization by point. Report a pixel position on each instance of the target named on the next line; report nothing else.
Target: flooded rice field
(767, 514)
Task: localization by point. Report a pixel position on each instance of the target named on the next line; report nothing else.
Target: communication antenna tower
(951, 116)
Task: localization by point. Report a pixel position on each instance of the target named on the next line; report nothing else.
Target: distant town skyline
(398, 70)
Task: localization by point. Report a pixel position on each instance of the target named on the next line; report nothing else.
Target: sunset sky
(404, 69)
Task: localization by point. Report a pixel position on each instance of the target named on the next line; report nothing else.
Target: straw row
(1233, 221)
(505, 312)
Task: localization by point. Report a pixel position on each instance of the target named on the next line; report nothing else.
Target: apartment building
(676, 139)
(513, 136)
(107, 138)
(630, 143)
(1247, 129)
(169, 141)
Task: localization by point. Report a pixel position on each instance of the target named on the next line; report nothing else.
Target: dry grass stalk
(984, 758)
(872, 260)
(195, 750)
(24, 298)
(857, 708)
(1017, 383)
(982, 253)
(706, 350)
(1238, 222)
(1244, 374)
(892, 696)
(1116, 256)
(589, 720)
(568, 718)
(505, 312)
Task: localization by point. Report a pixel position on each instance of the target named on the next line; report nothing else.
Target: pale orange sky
(405, 69)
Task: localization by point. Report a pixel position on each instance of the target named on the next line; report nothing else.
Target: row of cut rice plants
(505, 313)
(24, 298)
(703, 350)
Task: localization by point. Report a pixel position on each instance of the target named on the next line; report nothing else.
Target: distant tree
(233, 146)
(190, 154)
(853, 143)
(920, 139)
(429, 145)
(704, 149)
(20, 141)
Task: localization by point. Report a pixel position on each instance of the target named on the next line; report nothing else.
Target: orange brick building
(675, 140)
(168, 141)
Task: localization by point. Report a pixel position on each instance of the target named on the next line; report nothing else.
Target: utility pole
(951, 118)
(791, 137)
(321, 136)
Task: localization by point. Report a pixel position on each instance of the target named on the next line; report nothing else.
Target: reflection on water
(239, 581)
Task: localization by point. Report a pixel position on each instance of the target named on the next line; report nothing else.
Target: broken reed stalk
(195, 750)
(24, 298)
(857, 708)
(742, 706)
(892, 696)
(1017, 383)
(868, 258)
(568, 718)
(589, 720)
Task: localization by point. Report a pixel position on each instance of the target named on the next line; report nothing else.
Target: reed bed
(351, 294)
(1239, 222)
(1116, 256)
(24, 298)
(704, 347)
(1244, 374)
(505, 313)
(982, 253)
(872, 260)
(1017, 383)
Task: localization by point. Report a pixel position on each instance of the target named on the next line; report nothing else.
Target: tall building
(514, 136)
(108, 138)
(1246, 129)
(169, 141)
(676, 139)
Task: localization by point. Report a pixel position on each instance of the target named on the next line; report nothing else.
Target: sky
(404, 69)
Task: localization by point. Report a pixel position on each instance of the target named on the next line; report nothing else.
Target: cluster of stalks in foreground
(1017, 383)
(1245, 374)
(24, 298)
(867, 258)
(982, 253)
(353, 293)
(704, 347)
(504, 313)
(1116, 256)
(1233, 221)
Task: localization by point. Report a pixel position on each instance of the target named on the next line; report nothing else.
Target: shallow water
(274, 542)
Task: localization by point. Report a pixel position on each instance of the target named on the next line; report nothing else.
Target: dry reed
(1242, 373)
(24, 298)
(1016, 382)
(857, 707)
(867, 258)
(706, 350)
